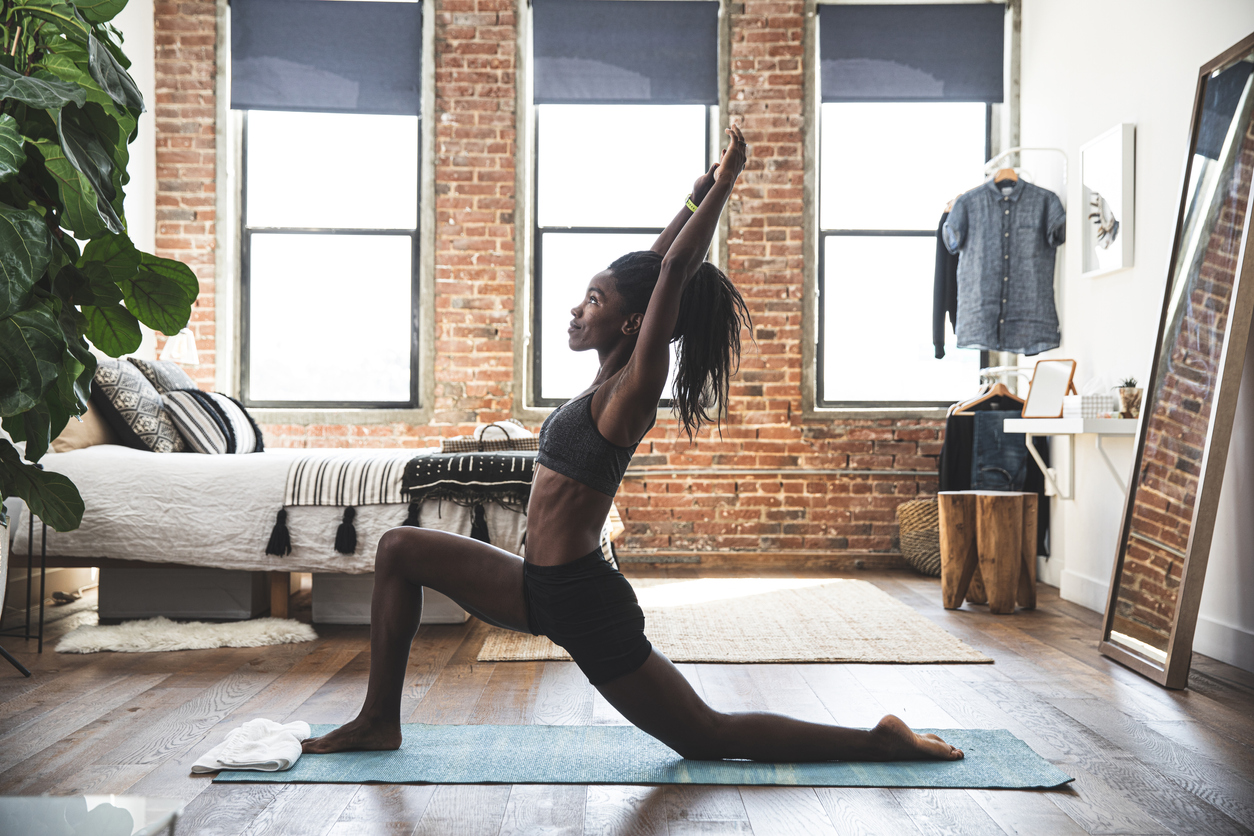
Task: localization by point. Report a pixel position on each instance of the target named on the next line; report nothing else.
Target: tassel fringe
(280, 544)
(479, 525)
(346, 534)
(412, 517)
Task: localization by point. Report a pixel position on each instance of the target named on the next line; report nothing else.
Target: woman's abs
(564, 518)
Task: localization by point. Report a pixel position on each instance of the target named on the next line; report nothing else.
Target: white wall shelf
(1100, 427)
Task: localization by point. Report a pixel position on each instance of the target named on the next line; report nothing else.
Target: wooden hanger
(1006, 174)
(998, 390)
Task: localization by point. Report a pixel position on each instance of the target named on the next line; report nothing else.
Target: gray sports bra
(571, 445)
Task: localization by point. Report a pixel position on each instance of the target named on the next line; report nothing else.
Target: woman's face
(598, 322)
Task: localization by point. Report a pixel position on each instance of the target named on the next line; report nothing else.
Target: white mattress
(203, 510)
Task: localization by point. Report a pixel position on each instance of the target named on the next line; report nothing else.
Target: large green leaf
(50, 496)
(90, 159)
(38, 425)
(158, 302)
(82, 213)
(112, 329)
(113, 123)
(24, 255)
(64, 16)
(175, 272)
(78, 364)
(12, 157)
(68, 61)
(99, 11)
(158, 291)
(115, 253)
(41, 93)
(31, 347)
(112, 77)
(88, 286)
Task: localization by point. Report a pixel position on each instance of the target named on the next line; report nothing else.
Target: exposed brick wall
(474, 172)
(764, 427)
(184, 111)
(1166, 490)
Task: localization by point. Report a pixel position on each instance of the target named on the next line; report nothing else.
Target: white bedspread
(202, 510)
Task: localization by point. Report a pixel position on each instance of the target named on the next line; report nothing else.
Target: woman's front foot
(897, 742)
(360, 735)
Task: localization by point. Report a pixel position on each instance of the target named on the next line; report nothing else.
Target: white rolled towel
(259, 745)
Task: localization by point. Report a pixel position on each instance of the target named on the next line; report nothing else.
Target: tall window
(904, 128)
(626, 93)
(329, 230)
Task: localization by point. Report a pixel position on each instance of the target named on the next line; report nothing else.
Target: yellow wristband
(692, 207)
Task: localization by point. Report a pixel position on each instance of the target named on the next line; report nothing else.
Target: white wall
(1086, 67)
(136, 25)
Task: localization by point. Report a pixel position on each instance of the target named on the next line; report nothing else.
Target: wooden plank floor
(1146, 760)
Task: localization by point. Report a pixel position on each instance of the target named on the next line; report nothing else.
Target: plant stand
(30, 577)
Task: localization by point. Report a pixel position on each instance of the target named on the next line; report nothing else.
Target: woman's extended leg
(483, 579)
(658, 700)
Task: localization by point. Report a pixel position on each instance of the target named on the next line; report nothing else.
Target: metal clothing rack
(991, 165)
(992, 374)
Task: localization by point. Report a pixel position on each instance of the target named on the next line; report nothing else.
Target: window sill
(334, 417)
(848, 413)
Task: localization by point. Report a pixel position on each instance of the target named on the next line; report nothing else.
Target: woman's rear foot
(899, 743)
(358, 736)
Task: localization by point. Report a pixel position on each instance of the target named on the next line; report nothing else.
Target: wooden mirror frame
(1174, 672)
(1066, 390)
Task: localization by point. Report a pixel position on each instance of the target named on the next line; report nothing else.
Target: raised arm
(699, 190)
(645, 375)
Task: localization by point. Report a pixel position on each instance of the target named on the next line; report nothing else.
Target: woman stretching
(565, 589)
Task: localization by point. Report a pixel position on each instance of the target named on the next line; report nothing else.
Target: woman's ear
(631, 326)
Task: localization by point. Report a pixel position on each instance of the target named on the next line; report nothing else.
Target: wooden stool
(988, 544)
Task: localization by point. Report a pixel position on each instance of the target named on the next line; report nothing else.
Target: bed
(219, 511)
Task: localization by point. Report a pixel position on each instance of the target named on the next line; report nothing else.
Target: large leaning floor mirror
(1182, 444)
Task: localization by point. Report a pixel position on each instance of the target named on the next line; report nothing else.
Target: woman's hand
(703, 185)
(734, 157)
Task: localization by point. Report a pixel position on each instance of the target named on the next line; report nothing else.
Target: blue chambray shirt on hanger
(1006, 242)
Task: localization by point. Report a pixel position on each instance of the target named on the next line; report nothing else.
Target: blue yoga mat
(995, 759)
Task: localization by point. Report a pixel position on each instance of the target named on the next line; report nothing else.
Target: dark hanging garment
(944, 290)
(959, 455)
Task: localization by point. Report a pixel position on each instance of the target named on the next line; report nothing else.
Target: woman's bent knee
(398, 544)
(705, 740)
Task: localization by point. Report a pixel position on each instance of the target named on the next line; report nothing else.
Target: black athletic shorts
(587, 608)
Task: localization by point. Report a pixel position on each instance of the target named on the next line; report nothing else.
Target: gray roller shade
(917, 53)
(626, 51)
(1223, 94)
(339, 56)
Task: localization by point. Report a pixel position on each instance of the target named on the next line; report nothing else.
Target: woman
(565, 589)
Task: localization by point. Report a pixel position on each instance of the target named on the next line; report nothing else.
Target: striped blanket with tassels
(347, 478)
(385, 477)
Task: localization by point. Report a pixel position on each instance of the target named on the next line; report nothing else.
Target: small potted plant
(1129, 398)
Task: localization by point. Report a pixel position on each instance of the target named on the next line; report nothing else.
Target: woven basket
(920, 535)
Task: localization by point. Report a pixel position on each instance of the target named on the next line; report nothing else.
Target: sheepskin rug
(155, 634)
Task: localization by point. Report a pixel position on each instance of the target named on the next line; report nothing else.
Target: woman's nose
(575, 310)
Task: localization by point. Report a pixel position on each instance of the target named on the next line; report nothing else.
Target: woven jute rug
(767, 620)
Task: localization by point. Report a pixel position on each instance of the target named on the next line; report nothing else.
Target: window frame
(822, 235)
(246, 232)
(535, 361)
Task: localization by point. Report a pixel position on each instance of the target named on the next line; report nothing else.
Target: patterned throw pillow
(213, 423)
(163, 375)
(244, 429)
(133, 408)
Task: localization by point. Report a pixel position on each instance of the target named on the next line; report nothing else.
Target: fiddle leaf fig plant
(70, 278)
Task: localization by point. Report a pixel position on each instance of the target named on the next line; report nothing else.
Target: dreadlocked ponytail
(711, 314)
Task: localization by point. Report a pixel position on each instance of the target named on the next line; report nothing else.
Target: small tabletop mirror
(1051, 380)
